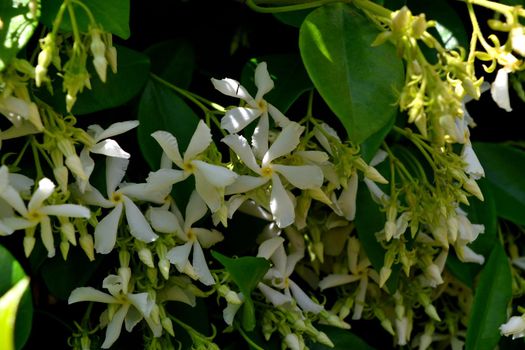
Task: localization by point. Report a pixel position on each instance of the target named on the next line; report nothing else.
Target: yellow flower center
(191, 235)
(263, 106)
(267, 171)
(116, 197)
(34, 215)
(189, 167)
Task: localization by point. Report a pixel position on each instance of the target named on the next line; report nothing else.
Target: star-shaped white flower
(515, 326)
(300, 176)
(237, 119)
(195, 238)
(210, 179)
(121, 200)
(131, 308)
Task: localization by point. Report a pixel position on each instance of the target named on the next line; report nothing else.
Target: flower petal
(179, 255)
(500, 89)
(68, 210)
(232, 88)
(228, 314)
(92, 196)
(115, 171)
(200, 140)
(106, 231)
(90, 294)
(275, 297)
(206, 237)
(335, 280)
(260, 136)
(195, 210)
(240, 146)
(200, 266)
(169, 145)
(263, 81)
(109, 148)
(285, 143)
(347, 200)
(116, 129)
(163, 220)
(115, 326)
(281, 205)
(138, 226)
(212, 196)
(44, 190)
(245, 183)
(280, 119)
(301, 176)
(216, 175)
(236, 119)
(473, 166)
(142, 302)
(13, 198)
(303, 300)
(47, 236)
(268, 247)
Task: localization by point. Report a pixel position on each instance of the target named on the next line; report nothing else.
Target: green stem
(370, 6)
(491, 5)
(182, 92)
(58, 18)
(38, 166)
(74, 24)
(287, 8)
(86, 10)
(21, 153)
(248, 340)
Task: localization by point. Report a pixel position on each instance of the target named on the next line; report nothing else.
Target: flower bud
(400, 20)
(29, 244)
(146, 257)
(64, 249)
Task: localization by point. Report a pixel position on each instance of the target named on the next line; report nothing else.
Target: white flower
(210, 179)
(237, 119)
(131, 308)
(300, 176)
(195, 238)
(17, 111)
(279, 277)
(500, 89)
(102, 144)
(8, 193)
(517, 39)
(38, 214)
(515, 326)
(119, 200)
(228, 314)
(473, 166)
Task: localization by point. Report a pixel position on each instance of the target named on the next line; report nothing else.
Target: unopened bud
(419, 26)
(164, 268)
(472, 187)
(168, 326)
(29, 244)
(400, 20)
(146, 257)
(86, 243)
(64, 249)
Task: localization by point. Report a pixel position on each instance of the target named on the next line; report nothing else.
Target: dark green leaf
(288, 74)
(504, 168)
(17, 23)
(246, 272)
(173, 60)
(293, 18)
(465, 272)
(10, 274)
(370, 147)
(161, 108)
(489, 309)
(342, 339)
(357, 81)
(112, 16)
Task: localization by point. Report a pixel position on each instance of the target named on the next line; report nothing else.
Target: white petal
(13, 198)
(195, 210)
(280, 119)
(336, 280)
(347, 200)
(378, 157)
(92, 196)
(268, 247)
(44, 190)
(88, 164)
(316, 157)
(145, 192)
(240, 146)
(21, 183)
(138, 226)
(206, 237)
(260, 136)
(377, 194)
(228, 314)
(500, 89)
(279, 260)
(301, 176)
(68, 210)
(303, 300)
(200, 140)
(275, 297)
(473, 166)
(231, 88)
(47, 236)
(245, 183)
(515, 325)
(179, 255)
(117, 129)
(90, 294)
(280, 204)
(285, 143)
(110, 148)
(163, 220)
(169, 145)
(200, 266)
(263, 81)
(236, 119)
(141, 302)
(5, 230)
(106, 231)
(133, 317)
(115, 171)
(291, 261)
(212, 196)
(115, 326)
(165, 177)
(216, 175)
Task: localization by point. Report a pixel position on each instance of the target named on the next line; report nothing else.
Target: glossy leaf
(12, 273)
(112, 16)
(357, 81)
(17, 23)
(8, 309)
(504, 168)
(372, 144)
(342, 339)
(289, 76)
(246, 272)
(173, 60)
(161, 108)
(492, 296)
(293, 18)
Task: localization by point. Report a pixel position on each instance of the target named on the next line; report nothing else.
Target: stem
(38, 166)
(74, 23)
(58, 18)
(248, 340)
(182, 92)
(491, 5)
(287, 8)
(86, 10)
(376, 9)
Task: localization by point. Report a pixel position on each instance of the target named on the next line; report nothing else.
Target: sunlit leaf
(8, 309)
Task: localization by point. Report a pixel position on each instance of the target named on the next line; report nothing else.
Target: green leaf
(161, 108)
(8, 309)
(246, 272)
(173, 61)
(504, 168)
(293, 18)
(342, 339)
(112, 16)
(287, 72)
(12, 273)
(357, 81)
(370, 147)
(489, 309)
(61, 277)
(119, 88)
(465, 272)
(17, 23)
